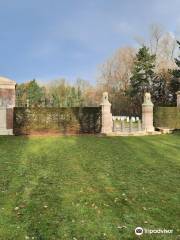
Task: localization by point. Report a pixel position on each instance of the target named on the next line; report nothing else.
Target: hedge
(167, 117)
(57, 120)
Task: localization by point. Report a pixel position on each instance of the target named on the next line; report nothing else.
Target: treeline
(57, 93)
(127, 75)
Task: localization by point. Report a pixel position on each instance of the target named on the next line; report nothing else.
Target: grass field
(88, 187)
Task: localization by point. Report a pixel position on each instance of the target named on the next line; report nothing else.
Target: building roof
(6, 81)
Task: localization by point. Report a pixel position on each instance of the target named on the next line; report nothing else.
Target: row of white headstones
(125, 118)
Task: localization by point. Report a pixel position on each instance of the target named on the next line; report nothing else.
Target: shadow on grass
(87, 187)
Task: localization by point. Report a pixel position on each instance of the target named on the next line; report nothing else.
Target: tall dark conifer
(143, 73)
(175, 82)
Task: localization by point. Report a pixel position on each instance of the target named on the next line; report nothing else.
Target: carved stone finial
(105, 95)
(147, 99)
(105, 100)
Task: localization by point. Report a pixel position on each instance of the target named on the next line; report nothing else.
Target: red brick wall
(9, 118)
(7, 93)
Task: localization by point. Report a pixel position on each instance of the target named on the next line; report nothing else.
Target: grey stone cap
(6, 81)
(105, 104)
(148, 104)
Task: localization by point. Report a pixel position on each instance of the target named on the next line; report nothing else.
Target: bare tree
(166, 52)
(156, 32)
(115, 73)
(161, 43)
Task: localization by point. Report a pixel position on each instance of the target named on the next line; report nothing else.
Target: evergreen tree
(175, 81)
(160, 91)
(30, 91)
(21, 94)
(34, 93)
(143, 73)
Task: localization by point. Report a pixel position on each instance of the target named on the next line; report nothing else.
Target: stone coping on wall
(137, 133)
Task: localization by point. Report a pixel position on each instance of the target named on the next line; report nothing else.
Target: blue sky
(46, 40)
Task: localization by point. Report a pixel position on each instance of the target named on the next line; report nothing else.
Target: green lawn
(89, 187)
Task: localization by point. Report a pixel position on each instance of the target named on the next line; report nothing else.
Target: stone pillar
(178, 99)
(139, 125)
(147, 113)
(107, 123)
(7, 104)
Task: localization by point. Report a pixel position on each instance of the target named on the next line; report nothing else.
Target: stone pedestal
(147, 113)
(107, 123)
(7, 104)
(3, 123)
(178, 99)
